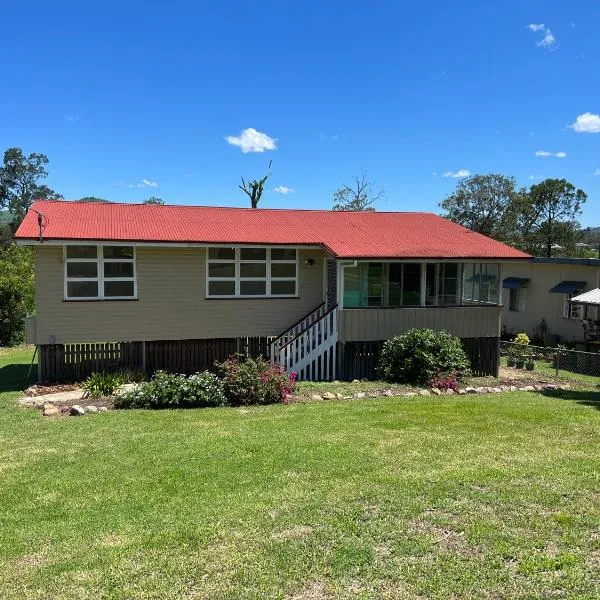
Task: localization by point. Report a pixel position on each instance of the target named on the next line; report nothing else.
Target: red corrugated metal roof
(343, 234)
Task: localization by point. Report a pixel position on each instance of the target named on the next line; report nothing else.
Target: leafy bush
(166, 390)
(102, 384)
(131, 375)
(418, 355)
(254, 381)
(16, 292)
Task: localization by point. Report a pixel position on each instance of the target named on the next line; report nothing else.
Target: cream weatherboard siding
(171, 302)
(359, 324)
(540, 304)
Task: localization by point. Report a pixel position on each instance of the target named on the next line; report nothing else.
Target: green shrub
(166, 390)
(102, 384)
(131, 375)
(419, 355)
(254, 381)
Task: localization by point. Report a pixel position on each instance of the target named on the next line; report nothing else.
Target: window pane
(222, 253)
(430, 285)
(411, 284)
(82, 269)
(448, 283)
(221, 269)
(253, 288)
(374, 284)
(283, 269)
(221, 288)
(395, 284)
(118, 251)
(117, 269)
(82, 252)
(283, 288)
(253, 254)
(118, 288)
(82, 289)
(253, 269)
(283, 254)
(352, 295)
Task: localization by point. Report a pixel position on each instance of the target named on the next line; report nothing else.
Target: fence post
(557, 360)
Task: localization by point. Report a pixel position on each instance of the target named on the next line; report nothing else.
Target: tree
(92, 199)
(19, 181)
(154, 200)
(254, 189)
(486, 204)
(16, 292)
(548, 214)
(357, 197)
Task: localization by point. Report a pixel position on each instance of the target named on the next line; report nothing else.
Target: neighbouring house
(177, 287)
(537, 299)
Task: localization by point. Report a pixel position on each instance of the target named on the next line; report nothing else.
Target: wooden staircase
(309, 347)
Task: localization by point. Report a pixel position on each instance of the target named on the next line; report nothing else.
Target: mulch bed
(49, 388)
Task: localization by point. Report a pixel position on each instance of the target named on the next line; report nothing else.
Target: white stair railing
(296, 329)
(312, 353)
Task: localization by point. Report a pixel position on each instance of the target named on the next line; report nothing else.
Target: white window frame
(572, 311)
(100, 278)
(268, 279)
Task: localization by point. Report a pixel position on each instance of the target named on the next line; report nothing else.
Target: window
(516, 299)
(99, 272)
(441, 284)
(572, 311)
(480, 283)
(252, 271)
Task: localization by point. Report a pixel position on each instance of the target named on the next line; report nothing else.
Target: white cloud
(324, 138)
(251, 140)
(587, 123)
(457, 174)
(548, 40)
(284, 189)
(72, 118)
(597, 172)
(144, 183)
(533, 177)
(546, 154)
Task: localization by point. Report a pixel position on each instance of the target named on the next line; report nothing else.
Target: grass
(545, 370)
(494, 496)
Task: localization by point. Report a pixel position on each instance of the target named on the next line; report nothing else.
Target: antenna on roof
(42, 220)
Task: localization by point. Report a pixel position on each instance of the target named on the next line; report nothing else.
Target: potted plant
(520, 362)
(511, 356)
(530, 364)
(521, 349)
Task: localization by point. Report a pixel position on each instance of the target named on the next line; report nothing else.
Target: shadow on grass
(585, 397)
(13, 377)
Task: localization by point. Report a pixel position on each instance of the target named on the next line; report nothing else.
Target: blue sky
(134, 99)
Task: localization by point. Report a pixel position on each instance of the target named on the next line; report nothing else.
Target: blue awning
(512, 283)
(567, 287)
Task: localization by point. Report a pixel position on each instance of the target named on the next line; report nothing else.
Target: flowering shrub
(522, 338)
(175, 391)
(419, 354)
(446, 381)
(254, 381)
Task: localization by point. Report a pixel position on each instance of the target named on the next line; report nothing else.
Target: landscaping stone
(424, 393)
(481, 390)
(389, 393)
(316, 397)
(374, 395)
(450, 392)
(462, 391)
(360, 395)
(539, 388)
(50, 410)
(102, 409)
(470, 390)
(513, 388)
(91, 409)
(410, 394)
(339, 396)
(436, 391)
(329, 396)
(348, 397)
(356, 381)
(76, 411)
(549, 386)
(497, 390)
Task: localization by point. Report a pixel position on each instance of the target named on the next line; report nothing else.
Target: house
(177, 287)
(537, 298)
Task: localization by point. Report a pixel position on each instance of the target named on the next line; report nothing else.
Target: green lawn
(493, 496)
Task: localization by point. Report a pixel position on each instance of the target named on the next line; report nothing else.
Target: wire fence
(558, 361)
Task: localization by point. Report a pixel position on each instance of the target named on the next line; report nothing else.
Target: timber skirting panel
(75, 362)
(359, 360)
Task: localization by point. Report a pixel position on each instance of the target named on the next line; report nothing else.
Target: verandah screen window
(481, 283)
(252, 272)
(99, 272)
(382, 284)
